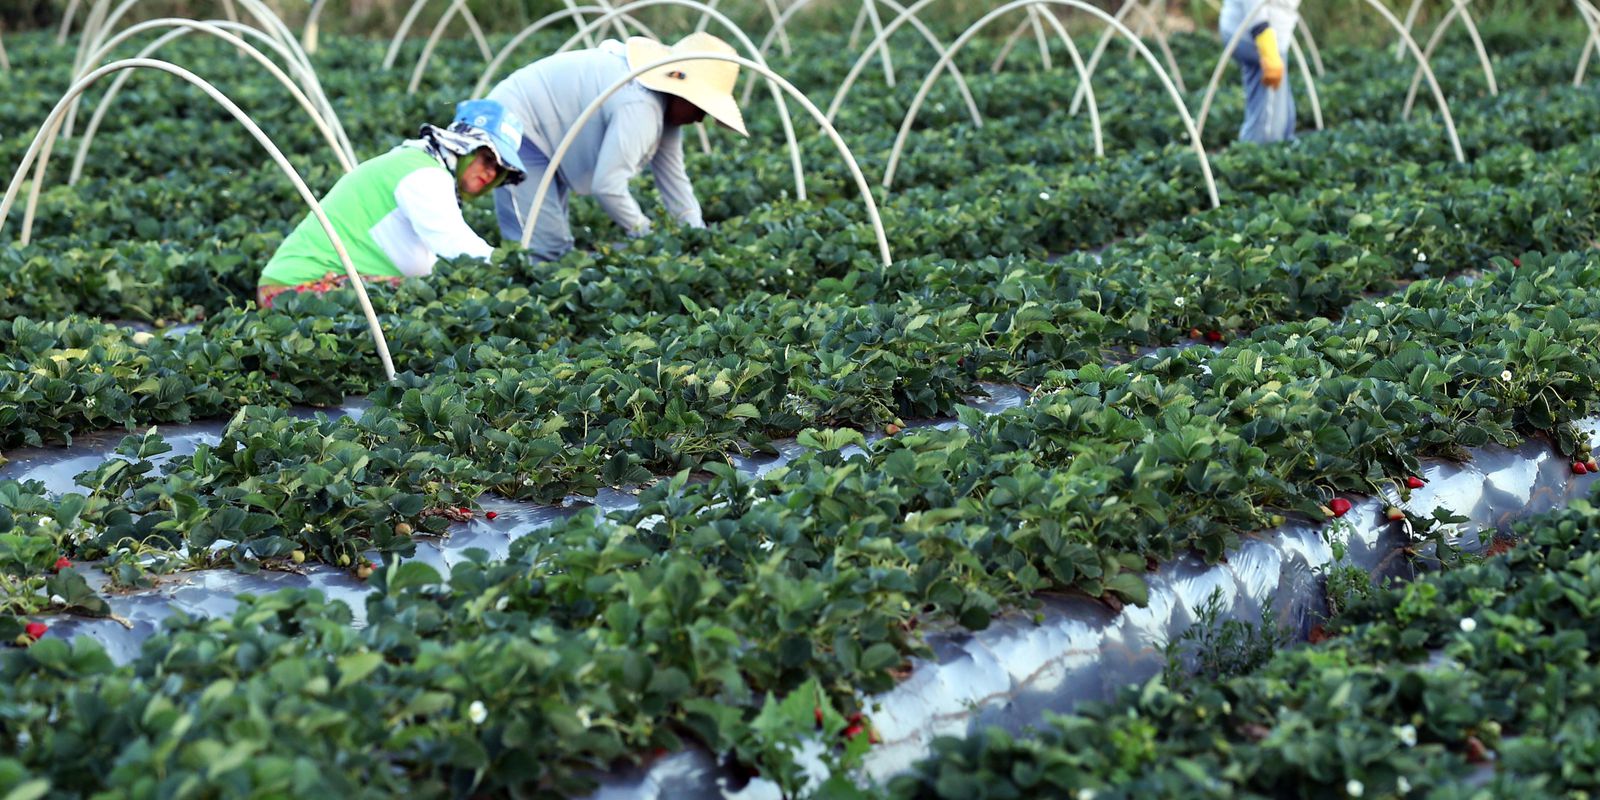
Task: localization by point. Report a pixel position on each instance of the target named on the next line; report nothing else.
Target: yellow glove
(1271, 61)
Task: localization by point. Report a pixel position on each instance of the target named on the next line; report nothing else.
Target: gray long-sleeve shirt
(629, 132)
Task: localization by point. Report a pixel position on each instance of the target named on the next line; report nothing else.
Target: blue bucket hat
(502, 128)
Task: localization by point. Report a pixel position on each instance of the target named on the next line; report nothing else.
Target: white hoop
(1457, 9)
(411, 18)
(181, 28)
(972, 30)
(904, 15)
(46, 136)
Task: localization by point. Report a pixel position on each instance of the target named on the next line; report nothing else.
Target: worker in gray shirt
(639, 125)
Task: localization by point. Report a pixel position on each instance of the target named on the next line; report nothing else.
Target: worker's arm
(1267, 50)
(632, 133)
(428, 199)
(1282, 17)
(672, 180)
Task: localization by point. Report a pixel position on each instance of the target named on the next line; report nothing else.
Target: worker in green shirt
(399, 213)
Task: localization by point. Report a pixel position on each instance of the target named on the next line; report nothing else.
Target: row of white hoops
(1147, 9)
(97, 42)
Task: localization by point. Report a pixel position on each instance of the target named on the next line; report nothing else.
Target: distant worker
(1268, 101)
(399, 213)
(642, 124)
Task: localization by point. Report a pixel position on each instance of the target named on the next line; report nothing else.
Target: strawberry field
(718, 501)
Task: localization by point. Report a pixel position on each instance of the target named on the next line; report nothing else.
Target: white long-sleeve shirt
(627, 134)
(428, 225)
(1281, 15)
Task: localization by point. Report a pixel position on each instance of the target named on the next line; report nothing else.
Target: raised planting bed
(1462, 683)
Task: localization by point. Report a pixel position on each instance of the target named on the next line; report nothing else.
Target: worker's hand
(1271, 61)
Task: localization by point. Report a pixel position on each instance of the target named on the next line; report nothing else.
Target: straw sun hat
(706, 83)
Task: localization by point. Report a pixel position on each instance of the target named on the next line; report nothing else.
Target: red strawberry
(1580, 467)
(36, 629)
(62, 563)
(1214, 336)
(854, 719)
(1477, 753)
(489, 515)
(853, 731)
(1414, 482)
(1516, 262)
(818, 712)
(1194, 333)
(1395, 514)
(465, 512)
(1339, 506)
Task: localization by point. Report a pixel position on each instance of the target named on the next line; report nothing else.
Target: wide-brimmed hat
(501, 127)
(707, 83)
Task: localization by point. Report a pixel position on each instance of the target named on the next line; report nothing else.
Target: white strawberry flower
(1354, 788)
(477, 712)
(500, 605)
(1087, 794)
(1044, 195)
(57, 599)
(1505, 375)
(1402, 785)
(1468, 625)
(583, 716)
(1407, 734)
(1422, 257)
(1178, 301)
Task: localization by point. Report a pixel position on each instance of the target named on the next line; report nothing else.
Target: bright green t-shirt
(355, 206)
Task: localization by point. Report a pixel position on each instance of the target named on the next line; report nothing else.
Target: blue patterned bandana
(447, 144)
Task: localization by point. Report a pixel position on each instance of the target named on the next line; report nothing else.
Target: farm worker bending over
(641, 124)
(399, 213)
(1268, 102)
